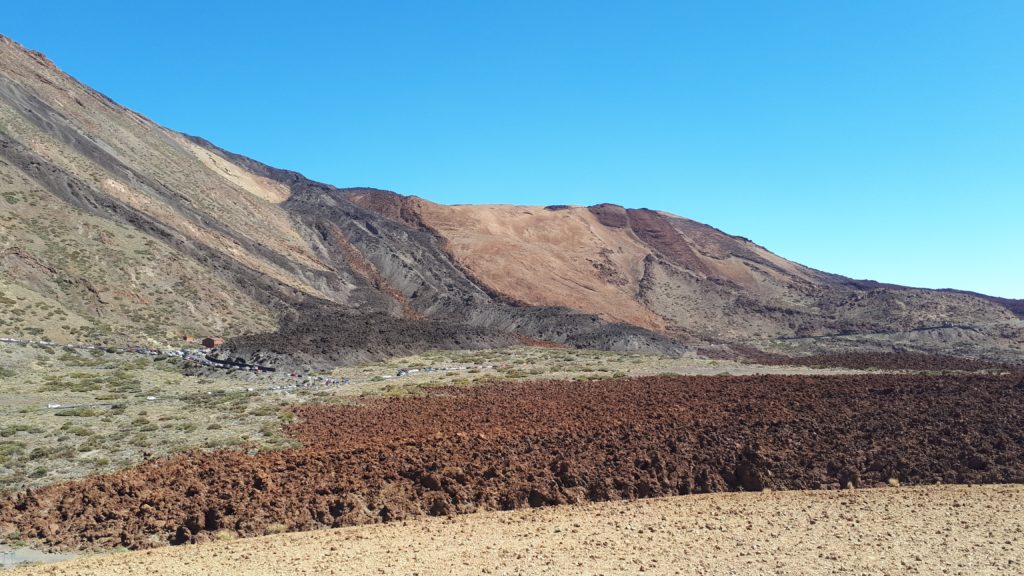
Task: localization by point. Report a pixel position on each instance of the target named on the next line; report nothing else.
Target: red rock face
(507, 446)
(610, 215)
(656, 231)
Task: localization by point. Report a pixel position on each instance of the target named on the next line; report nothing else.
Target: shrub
(76, 430)
(79, 412)
(40, 452)
(13, 429)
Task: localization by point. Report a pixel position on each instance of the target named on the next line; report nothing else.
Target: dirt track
(507, 446)
(956, 530)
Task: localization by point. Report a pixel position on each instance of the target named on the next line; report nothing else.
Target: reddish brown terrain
(507, 446)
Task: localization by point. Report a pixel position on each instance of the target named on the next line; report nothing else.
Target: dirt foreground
(920, 530)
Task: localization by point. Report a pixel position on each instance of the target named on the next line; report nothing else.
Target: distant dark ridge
(895, 360)
(1014, 306)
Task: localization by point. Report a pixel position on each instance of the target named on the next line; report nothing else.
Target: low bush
(81, 412)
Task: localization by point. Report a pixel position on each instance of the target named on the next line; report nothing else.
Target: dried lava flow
(510, 445)
(878, 360)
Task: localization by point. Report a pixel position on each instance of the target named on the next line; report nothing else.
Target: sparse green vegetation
(105, 420)
(75, 412)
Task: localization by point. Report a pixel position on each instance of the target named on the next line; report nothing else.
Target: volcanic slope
(691, 281)
(113, 228)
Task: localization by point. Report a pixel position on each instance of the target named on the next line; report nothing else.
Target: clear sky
(875, 139)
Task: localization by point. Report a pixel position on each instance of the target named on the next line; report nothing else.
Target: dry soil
(923, 530)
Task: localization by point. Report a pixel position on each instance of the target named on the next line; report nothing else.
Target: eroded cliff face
(113, 228)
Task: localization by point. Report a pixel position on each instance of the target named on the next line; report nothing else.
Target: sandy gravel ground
(931, 530)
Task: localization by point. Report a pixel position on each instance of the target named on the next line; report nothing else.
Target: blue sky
(875, 139)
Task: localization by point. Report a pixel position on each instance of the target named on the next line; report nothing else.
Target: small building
(189, 338)
(213, 342)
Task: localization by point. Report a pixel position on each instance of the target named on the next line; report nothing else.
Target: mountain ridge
(117, 229)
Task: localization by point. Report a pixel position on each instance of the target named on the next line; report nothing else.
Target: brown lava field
(506, 446)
